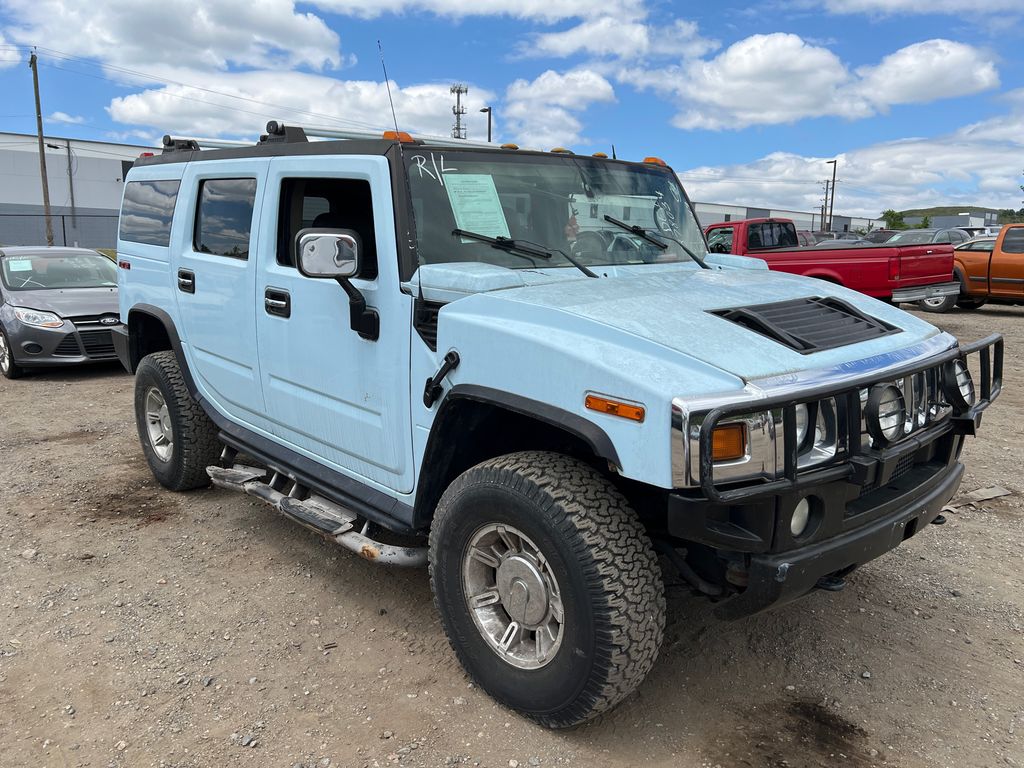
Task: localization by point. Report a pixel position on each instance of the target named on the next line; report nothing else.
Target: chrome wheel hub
(5, 354)
(513, 596)
(158, 424)
(933, 302)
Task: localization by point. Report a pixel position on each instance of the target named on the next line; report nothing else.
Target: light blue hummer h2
(525, 370)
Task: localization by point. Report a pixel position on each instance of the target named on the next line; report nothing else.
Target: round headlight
(801, 516)
(885, 413)
(963, 383)
(801, 423)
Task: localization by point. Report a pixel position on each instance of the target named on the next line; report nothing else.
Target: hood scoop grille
(809, 325)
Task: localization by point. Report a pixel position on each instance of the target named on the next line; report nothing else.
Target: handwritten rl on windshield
(423, 165)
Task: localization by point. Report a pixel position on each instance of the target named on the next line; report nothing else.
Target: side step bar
(314, 512)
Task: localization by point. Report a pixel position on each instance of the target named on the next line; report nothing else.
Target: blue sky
(922, 103)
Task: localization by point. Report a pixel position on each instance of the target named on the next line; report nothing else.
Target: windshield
(36, 272)
(557, 202)
(911, 238)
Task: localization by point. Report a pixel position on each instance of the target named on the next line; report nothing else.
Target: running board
(314, 512)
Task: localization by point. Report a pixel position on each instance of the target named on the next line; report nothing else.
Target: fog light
(32, 348)
(801, 516)
(886, 413)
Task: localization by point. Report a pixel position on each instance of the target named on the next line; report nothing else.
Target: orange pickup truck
(988, 269)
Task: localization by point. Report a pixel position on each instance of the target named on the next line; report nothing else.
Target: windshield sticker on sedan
(19, 265)
(476, 205)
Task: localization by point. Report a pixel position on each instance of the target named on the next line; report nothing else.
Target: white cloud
(611, 36)
(781, 78)
(64, 117)
(541, 10)
(540, 113)
(315, 100)
(979, 164)
(893, 7)
(9, 55)
(208, 34)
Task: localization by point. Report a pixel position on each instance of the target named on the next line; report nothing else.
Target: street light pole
(488, 111)
(832, 202)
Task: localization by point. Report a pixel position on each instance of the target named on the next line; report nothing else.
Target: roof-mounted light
(654, 161)
(510, 146)
(399, 136)
(562, 151)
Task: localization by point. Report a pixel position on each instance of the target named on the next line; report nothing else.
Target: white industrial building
(86, 179)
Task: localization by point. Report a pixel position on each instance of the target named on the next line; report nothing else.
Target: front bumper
(921, 292)
(71, 344)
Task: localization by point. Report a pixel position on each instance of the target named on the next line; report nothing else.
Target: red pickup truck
(896, 273)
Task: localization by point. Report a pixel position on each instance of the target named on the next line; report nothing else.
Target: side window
(1013, 241)
(327, 204)
(147, 210)
(224, 217)
(942, 237)
(720, 240)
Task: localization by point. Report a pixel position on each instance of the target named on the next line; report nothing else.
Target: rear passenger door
(333, 396)
(214, 277)
(1006, 274)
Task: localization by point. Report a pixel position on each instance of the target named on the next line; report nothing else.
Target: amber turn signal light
(729, 442)
(615, 408)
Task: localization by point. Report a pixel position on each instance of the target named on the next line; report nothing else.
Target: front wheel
(547, 585)
(177, 436)
(8, 367)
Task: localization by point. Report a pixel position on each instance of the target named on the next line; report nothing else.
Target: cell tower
(459, 130)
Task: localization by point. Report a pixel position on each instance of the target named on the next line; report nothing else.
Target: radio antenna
(387, 84)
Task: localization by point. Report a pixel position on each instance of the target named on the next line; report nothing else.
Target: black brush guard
(990, 351)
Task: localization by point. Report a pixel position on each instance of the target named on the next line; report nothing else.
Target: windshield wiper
(523, 248)
(643, 234)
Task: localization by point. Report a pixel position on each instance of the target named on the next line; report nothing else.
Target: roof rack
(289, 134)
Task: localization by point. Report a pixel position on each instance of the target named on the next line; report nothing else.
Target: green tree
(893, 219)
(925, 222)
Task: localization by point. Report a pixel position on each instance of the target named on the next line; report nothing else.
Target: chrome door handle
(277, 302)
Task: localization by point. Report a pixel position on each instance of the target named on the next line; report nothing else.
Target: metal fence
(87, 230)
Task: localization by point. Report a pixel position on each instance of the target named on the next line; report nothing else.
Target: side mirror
(327, 253)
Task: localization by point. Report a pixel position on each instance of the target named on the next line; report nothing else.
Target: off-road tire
(195, 444)
(13, 370)
(608, 573)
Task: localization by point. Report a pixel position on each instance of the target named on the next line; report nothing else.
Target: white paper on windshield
(19, 265)
(475, 204)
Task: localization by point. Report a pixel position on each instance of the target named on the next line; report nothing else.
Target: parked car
(889, 272)
(398, 349)
(987, 269)
(57, 307)
(952, 235)
(880, 235)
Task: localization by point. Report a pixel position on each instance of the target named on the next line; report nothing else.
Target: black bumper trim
(778, 579)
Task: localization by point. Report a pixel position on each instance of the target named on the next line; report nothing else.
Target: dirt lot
(144, 628)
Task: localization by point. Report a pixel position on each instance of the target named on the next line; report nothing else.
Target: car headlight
(885, 413)
(37, 318)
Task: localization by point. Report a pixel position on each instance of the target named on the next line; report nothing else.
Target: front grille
(809, 325)
(97, 343)
(68, 347)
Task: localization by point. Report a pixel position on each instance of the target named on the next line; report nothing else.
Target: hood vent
(809, 325)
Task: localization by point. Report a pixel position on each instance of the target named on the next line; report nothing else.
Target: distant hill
(947, 210)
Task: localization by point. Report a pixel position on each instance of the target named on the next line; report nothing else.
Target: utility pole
(824, 207)
(71, 190)
(832, 203)
(42, 152)
(458, 130)
(488, 110)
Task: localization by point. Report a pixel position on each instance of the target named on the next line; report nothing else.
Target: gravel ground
(144, 628)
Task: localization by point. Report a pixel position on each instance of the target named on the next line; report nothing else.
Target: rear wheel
(547, 586)
(970, 303)
(938, 304)
(177, 436)
(8, 367)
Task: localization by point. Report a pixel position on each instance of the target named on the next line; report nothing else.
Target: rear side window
(224, 217)
(1013, 242)
(720, 240)
(147, 210)
(771, 234)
